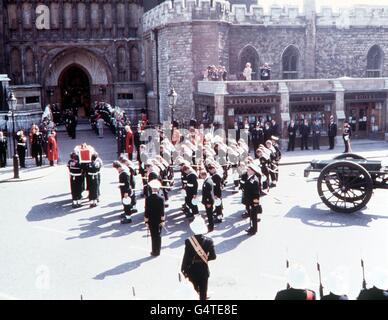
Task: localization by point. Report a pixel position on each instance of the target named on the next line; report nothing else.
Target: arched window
(290, 62)
(29, 66)
(122, 64)
(135, 61)
(249, 54)
(374, 66)
(16, 66)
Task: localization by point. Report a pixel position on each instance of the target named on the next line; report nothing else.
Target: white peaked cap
(378, 277)
(338, 282)
(297, 277)
(198, 226)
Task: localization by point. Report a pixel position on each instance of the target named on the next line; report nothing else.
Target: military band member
(208, 198)
(21, 147)
(76, 179)
(199, 250)
(3, 150)
(154, 216)
(252, 197)
(125, 191)
(191, 189)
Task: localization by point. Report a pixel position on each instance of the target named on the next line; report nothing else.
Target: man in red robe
(129, 142)
(52, 148)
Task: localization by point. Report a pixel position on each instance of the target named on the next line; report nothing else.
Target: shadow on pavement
(49, 210)
(316, 217)
(122, 268)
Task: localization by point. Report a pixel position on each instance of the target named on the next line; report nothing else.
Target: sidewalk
(29, 173)
(365, 148)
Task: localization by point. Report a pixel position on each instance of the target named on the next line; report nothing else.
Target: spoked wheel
(348, 156)
(345, 186)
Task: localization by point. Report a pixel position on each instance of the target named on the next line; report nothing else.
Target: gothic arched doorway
(74, 84)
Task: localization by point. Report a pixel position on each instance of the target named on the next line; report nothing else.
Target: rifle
(320, 280)
(363, 274)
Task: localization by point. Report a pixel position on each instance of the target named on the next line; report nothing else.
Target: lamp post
(172, 98)
(12, 102)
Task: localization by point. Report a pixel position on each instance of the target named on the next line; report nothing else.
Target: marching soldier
(252, 197)
(199, 250)
(154, 216)
(208, 198)
(298, 282)
(217, 180)
(191, 190)
(21, 147)
(3, 150)
(379, 289)
(76, 179)
(125, 191)
(93, 170)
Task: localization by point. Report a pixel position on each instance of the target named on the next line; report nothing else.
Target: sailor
(92, 170)
(76, 179)
(191, 190)
(199, 250)
(217, 180)
(21, 147)
(252, 196)
(208, 198)
(298, 282)
(125, 191)
(154, 216)
(378, 279)
(36, 145)
(337, 285)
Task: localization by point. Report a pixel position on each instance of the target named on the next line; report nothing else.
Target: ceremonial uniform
(332, 296)
(373, 294)
(129, 144)
(125, 190)
(217, 180)
(93, 169)
(252, 197)
(76, 180)
(194, 267)
(154, 216)
(191, 192)
(3, 151)
(21, 148)
(332, 133)
(295, 294)
(52, 149)
(36, 148)
(208, 200)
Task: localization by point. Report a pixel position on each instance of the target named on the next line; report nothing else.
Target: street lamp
(12, 102)
(172, 98)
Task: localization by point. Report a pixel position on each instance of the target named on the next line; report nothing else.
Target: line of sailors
(84, 169)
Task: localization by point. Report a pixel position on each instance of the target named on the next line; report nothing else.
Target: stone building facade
(183, 37)
(73, 52)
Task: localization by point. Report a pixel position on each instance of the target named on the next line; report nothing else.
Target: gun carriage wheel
(345, 186)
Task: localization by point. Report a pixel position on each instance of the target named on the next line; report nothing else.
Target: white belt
(92, 174)
(21, 144)
(75, 174)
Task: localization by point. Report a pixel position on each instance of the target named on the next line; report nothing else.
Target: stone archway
(74, 84)
(77, 62)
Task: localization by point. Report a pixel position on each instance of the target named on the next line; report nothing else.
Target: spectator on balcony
(265, 72)
(247, 73)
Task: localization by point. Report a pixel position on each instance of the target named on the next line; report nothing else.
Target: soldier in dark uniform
(132, 172)
(199, 250)
(21, 147)
(297, 286)
(76, 179)
(291, 136)
(93, 172)
(125, 191)
(217, 180)
(154, 216)
(71, 124)
(252, 197)
(208, 198)
(191, 189)
(3, 150)
(378, 279)
(332, 132)
(37, 146)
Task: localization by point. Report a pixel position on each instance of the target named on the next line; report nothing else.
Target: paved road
(51, 251)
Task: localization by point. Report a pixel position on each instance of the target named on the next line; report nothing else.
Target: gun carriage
(346, 183)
